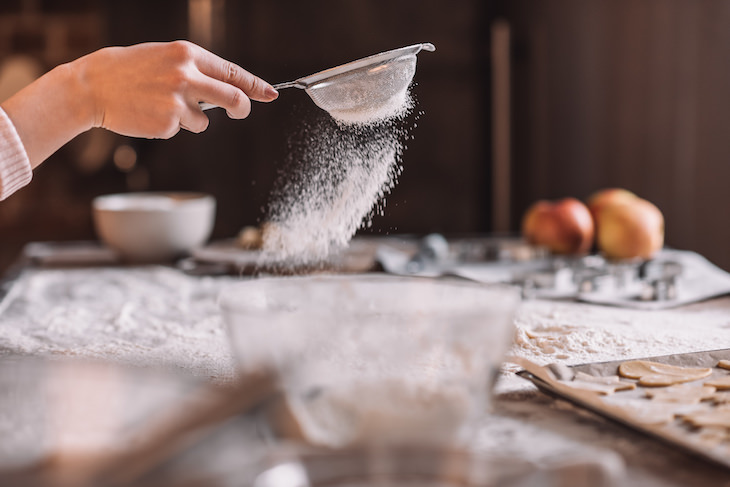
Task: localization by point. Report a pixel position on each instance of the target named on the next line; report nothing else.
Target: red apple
(600, 199)
(629, 229)
(564, 226)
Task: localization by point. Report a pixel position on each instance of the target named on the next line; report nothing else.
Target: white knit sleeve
(15, 170)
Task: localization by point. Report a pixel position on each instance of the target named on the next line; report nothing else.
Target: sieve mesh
(371, 87)
(375, 84)
(364, 88)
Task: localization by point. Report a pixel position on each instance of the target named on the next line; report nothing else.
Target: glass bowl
(375, 359)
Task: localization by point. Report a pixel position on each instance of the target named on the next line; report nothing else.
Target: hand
(152, 90)
(148, 90)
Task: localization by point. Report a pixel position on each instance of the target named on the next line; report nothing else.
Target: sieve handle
(290, 84)
(204, 105)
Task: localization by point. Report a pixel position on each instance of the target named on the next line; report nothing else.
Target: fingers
(218, 68)
(221, 94)
(256, 88)
(193, 119)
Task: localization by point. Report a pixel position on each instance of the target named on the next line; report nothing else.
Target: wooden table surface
(160, 318)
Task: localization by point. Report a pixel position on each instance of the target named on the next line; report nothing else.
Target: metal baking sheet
(671, 279)
(357, 257)
(675, 433)
(699, 280)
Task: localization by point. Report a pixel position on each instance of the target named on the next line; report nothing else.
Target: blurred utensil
(117, 452)
(180, 427)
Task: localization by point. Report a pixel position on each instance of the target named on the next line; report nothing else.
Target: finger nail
(272, 93)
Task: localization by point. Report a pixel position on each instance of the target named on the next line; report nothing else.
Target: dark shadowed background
(630, 93)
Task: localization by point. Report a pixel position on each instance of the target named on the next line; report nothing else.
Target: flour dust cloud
(342, 167)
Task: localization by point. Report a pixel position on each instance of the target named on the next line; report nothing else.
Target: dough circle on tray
(682, 393)
(724, 364)
(655, 374)
(720, 383)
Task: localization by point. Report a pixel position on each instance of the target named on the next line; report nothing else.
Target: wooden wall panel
(630, 93)
(445, 184)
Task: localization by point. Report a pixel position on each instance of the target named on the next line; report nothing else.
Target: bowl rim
(178, 198)
(228, 301)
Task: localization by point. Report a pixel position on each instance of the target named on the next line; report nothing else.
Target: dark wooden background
(446, 166)
(630, 93)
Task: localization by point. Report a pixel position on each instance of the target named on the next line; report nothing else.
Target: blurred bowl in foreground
(58, 416)
(154, 227)
(367, 359)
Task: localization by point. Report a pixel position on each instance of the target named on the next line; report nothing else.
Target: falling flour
(343, 167)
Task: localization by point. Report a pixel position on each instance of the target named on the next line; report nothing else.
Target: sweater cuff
(15, 170)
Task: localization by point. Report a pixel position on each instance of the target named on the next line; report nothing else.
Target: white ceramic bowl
(154, 226)
(370, 359)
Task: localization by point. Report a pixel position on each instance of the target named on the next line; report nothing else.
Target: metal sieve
(365, 84)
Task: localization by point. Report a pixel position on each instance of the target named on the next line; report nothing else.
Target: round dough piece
(682, 393)
(655, 374)
(715, 418)
(724, 364)
(720, 383)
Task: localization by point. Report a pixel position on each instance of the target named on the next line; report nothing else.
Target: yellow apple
(564, 226)
(600, 199)
(629, 229)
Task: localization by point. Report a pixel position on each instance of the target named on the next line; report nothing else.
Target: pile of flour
(409, 388)
(386, 409)
(343, 167)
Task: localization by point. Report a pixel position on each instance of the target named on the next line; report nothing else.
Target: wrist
(51, 111)
(78, 97)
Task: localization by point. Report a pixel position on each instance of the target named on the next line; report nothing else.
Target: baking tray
(674, 433)
(358, 257)
(671, 279)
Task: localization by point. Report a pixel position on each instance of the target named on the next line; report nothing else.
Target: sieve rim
(382, 57)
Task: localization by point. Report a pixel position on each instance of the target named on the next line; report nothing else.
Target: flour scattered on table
(146, 316)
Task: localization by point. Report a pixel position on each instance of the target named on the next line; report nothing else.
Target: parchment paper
(674, 433)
